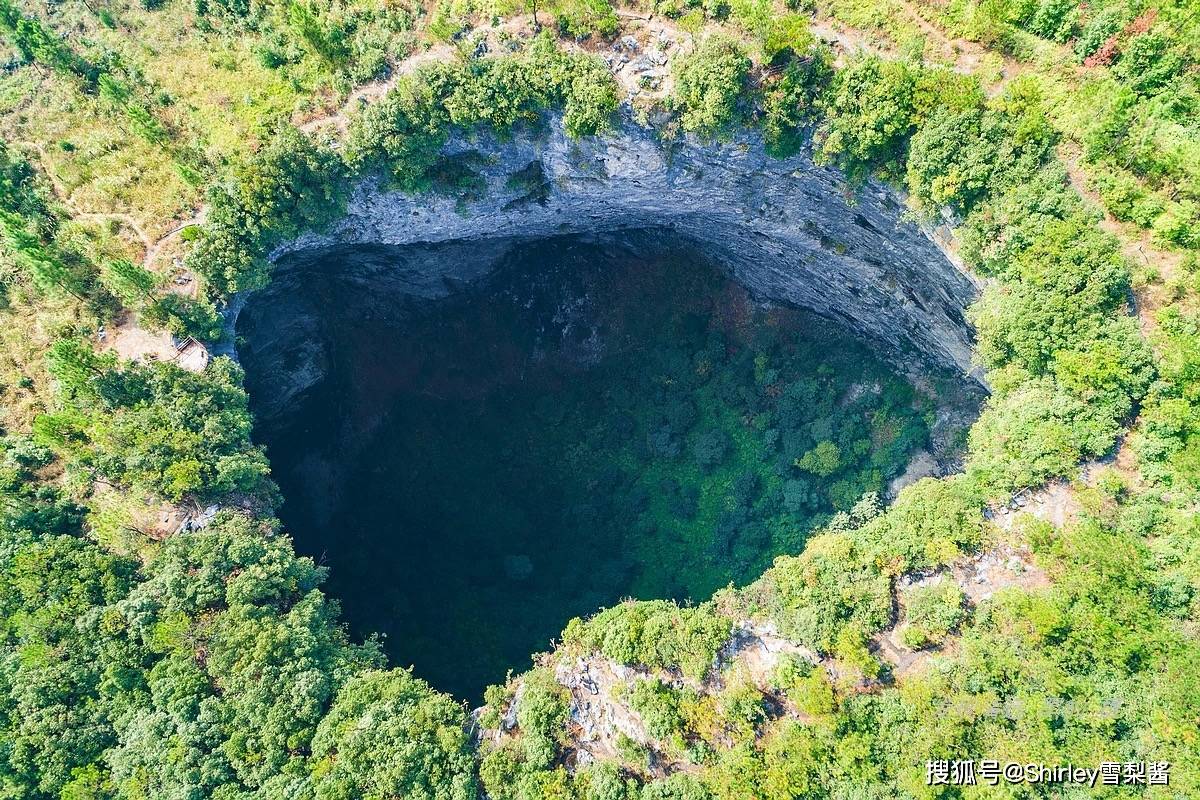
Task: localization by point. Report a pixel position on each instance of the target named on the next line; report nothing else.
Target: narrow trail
(150, 247)
(126, 219)
(340, 119)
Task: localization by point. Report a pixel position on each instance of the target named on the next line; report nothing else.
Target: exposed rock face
(788, 230)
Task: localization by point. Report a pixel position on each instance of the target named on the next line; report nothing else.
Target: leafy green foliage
(290, 186)
(210, 670)
(875, 105)
(184, 316)
(59, 660)
(526, 770)
(128, 281)
(159, 428)
(389, 735)
(403, 134)
(930, 612)
(868, 117)
(36, 43)
(581, 18)
(655, 634)
(830, 586)
(708, 85)
(801, 71)
(964, 155)
(246, 657)
(1033, 433)
(823, 460)
(658, 705)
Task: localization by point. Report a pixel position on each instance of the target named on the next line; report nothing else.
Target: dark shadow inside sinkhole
(584, 419)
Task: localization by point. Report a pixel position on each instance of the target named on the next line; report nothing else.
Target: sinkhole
(588, 418)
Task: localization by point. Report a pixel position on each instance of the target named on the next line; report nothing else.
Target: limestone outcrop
(789, 230)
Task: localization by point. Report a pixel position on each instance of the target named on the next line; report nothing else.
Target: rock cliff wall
(787, 229)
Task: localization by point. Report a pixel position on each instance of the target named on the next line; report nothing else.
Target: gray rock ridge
(789, 230)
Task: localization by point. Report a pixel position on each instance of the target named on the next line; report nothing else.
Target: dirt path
(339, 121)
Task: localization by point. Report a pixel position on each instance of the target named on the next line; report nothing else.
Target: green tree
(822, 461)
(290, 186)
(389, 735)
(869, 116)
(709, 84)
(128, 281)
(46, 268)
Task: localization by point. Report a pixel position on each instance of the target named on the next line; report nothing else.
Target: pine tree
(128, 281)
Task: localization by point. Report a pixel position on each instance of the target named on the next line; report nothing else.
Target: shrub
(184, 316)
(160, 428)
(830, 585)
(541, 713)
(679, 786)
(931, 523)
(708, 85)
(1057, 20)
(583, 18)
(658, 706)
(290, 186)
(869, 115)
(1035, 432)
(1148, 63)
(402, 134)
(655, 634)
(1180, 225)
(604, 780)
(931, 612)
(388, 734)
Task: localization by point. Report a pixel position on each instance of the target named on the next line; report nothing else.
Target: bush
(1057, 20)
(789, 99)
(931, 612)
(160, 428)
(541, 714)
(1033, 433)
(869, 115)
(583, 18)
(239, 657)
(1180, 225)
(290, 186)
(679, 786)
(402, 134)
(1062, 287)
(655, 634)
(184, 316)
(1098, 30)
(591, 99)
(832, 584)
(658, 706)
(708, 85)
(1148, 63)
(931, 523)
(389, 735)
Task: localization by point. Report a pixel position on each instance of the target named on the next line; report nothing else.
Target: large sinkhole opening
(593, 419)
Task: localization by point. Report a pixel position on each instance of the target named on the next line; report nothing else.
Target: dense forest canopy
(153, 156)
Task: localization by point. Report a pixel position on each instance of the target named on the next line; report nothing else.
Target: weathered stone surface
(789, 230)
